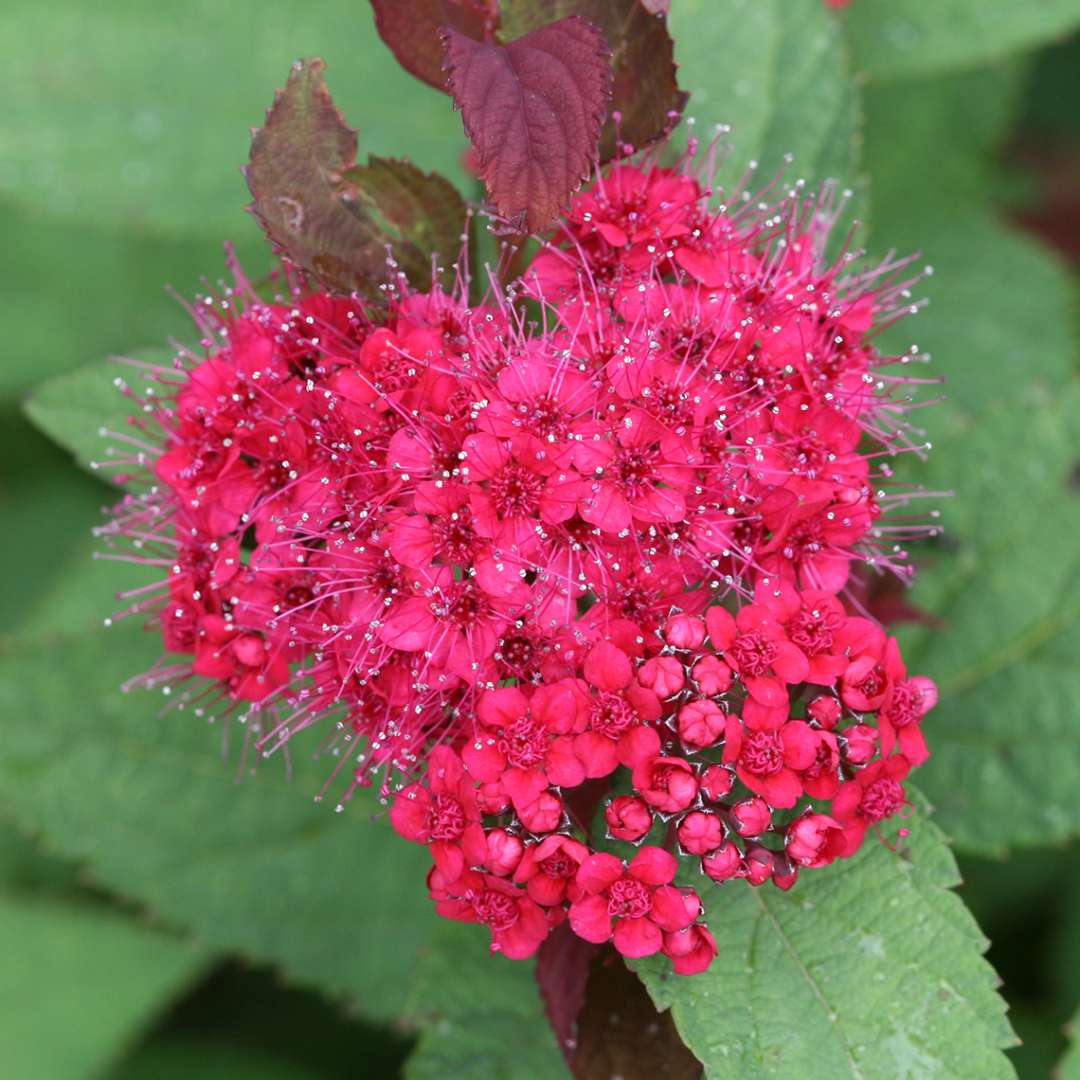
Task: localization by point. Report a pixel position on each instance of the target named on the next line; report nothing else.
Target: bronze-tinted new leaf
(336, 219)
(533, 111)
(645, 91)
(420, 214)
(411, 29)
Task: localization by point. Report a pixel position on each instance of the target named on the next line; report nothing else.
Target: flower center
(812, 630)
(903, 709)
(558, 866)
(524, 743)
(753, 653)
(762, 753)
(446, 819)
(823, 760)
(629, 898)
(873, 684)
(633, 469)
(545, 417)
(454, 538)
(881, 799)
(496, 909)
(611, 715)
(515, 492)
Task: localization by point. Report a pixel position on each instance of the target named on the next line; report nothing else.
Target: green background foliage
(164, 913)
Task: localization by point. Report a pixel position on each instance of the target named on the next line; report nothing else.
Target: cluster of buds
(484, 554)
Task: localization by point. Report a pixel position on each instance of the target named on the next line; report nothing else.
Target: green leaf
(1005, 579)
(243, 1022)
(481, 1014)
(896, 39)
(870, 967)
(1069, 1066)
(80, 409)
(777, 73)
(79, 980)
(85, 290)
(250, 866)
(140, 115)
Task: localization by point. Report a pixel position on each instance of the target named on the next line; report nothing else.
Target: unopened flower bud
(860, 745)
(711, 675)
(716, 782)
(504, 852)
(824, 711)
(723, 864)
(628, 818)
(752, 816)
(700, 832)
(701, 723)
(663, 675)
(685, 631)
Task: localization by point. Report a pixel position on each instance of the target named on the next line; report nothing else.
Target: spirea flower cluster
(568, 567)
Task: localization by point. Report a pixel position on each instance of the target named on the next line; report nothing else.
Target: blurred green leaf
(1069, 1066)
(80, 409)
(481, 1014)
(777, 73)
(79, 980)
(252, 867)
(73, 291)
(869, 967)
(242, 1022)
(1005, 579)
(896, 39)
(145, 114)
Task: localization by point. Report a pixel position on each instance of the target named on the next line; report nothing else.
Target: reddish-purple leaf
(411, 28)
(336, 219)
(533, 111)
(645, 91)
(620, 1032)
(562, 969)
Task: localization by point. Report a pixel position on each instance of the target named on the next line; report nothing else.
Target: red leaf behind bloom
(533, 110)
(645, 91)
(620, 1031)
(332, 217)
(562, 969)
(411, 28)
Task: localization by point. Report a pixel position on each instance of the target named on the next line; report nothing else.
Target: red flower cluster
(457, 536)
(758, 744)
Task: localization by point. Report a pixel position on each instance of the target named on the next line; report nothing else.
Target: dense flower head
(561, 584)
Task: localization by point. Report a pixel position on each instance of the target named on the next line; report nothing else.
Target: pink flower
(517, 923)
(631, 904)
(751, 817)
(620, 715)
(755, 647)
(691, 949)
(716, 782)
(900, 717)
(768, 762)
(814, 839)
(860, 743)
(443, 815)
(526, 744)
(548, 869)
(874, 794)
(667, 784)
(701, 723)
(724, 863)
